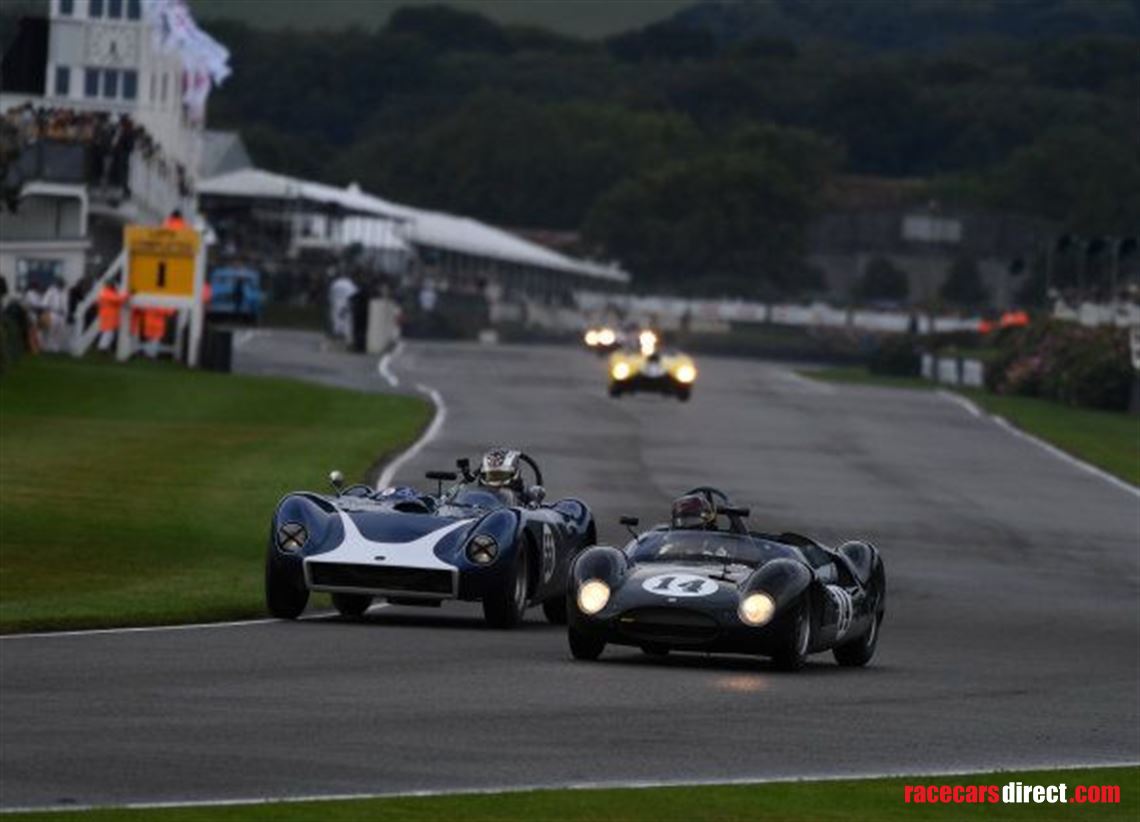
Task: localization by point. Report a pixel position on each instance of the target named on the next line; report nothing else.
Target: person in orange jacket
(154, 328)
(175, 220)
(110, 307)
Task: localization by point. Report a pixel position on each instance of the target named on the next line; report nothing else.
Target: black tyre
(683, 394)
(615, 391)
(583, 646)
(285, 595)
(505, 607)
(795, 651)
(351, 605)
(555, 610)
(858, 652)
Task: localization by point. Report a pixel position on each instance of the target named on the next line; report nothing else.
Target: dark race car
(707, 583)
(488, 537)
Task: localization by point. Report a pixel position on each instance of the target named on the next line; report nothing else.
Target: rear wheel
(351, 605)
(584, 646)
(285, 596)
(555, 610)
(794, 654)
(504, 608)
(859, 651)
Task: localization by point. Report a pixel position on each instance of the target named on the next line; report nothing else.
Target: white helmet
(500, 468)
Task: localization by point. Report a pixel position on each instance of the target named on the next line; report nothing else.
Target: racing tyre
(351, 605)
(795, 651)
(859, 651)
(555, 610)
(683, 394)
(615, 391)
(505, 607)
(583, 646)
(284, 598)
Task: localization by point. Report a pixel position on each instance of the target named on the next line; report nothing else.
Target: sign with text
(161, 261)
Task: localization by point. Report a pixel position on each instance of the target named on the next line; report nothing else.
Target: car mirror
(629, 522)
(441, 477)
(336, 480)
(536, 494)
(734, 511)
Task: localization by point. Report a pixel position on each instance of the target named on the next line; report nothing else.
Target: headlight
(291, 537)
(482, 550)
(606, 337)
(757, 609)
(591, 337)
(593, 596)
(620, 370)
(686, 373)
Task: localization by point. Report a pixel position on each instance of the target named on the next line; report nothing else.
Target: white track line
(574, 786)
(384, 366)
(958, 399)
(430, 434)
(196, 626)
(1064, 456)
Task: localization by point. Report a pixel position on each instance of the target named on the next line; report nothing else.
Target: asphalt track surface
(1012, 635)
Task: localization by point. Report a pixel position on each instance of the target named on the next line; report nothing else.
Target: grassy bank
(1106, 439)
(142, 493)
(871, 799)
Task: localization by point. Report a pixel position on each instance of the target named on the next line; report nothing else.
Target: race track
(1012, 634)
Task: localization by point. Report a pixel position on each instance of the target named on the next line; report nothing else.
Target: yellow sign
(161, 261)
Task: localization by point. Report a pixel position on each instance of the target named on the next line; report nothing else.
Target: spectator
(54, 316)
(110, 314)
(175, 220)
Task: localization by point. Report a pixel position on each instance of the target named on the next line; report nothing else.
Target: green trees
(882, 280)
(963, 286)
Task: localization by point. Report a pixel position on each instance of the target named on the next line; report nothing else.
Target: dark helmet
(693, 511)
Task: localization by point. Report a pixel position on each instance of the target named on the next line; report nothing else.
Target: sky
(583, 18)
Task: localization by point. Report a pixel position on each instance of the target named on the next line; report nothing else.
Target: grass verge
(1106, 439)
(141, 494)
(877, 799)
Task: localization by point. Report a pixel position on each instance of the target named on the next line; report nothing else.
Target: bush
(882, 280)
(896, 356)
(1063, 361)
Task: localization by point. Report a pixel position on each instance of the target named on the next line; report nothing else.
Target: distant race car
(651, 369)
(602, 339)
(706, 583)
(488, 537)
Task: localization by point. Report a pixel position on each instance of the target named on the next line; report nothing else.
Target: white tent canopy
(433, 229)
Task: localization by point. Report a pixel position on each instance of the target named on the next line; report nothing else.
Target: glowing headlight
(757, 609)
(591, 337)
(606, 336)
(482, 550)
(593, 596)
(291, 537)
(686, 373)
(620, 371)
(648, 342)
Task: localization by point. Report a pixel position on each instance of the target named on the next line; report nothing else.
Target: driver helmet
(500, 469)
(693, 511)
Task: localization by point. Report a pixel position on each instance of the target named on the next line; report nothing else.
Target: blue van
(236, 294)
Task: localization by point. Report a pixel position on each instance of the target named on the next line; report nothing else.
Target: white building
(93, 56)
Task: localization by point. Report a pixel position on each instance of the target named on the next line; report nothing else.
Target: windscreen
(707, 546)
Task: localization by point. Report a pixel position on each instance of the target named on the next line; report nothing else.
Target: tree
(882, 280)
(964, 286)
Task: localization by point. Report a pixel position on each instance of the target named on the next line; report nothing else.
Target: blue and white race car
(488, 537)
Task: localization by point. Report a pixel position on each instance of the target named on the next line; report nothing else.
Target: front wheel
(584, 646)
(351, 605)
(555, 610)
(793, 654)
(683, 394)
(858, 652)
(284, 597)
(504, 608)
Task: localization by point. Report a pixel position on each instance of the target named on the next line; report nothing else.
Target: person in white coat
(54, 307)
(341, 290)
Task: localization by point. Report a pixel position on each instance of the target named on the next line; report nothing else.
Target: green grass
(141, 494)
(1107, 439)
(872, 799)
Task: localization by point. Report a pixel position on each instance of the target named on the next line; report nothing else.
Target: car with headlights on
(488, 537)
(651, 368)
(705, 582)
